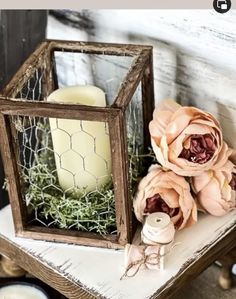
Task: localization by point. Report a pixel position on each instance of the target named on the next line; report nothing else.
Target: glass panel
(134, 123)
(104, 71)
(65, 170)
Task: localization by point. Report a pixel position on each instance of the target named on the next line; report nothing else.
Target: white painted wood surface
(100, 269)
(194, 53)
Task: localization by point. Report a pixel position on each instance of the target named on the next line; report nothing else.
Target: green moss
(93, 211)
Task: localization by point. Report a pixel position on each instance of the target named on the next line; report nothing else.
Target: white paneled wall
(194, 53)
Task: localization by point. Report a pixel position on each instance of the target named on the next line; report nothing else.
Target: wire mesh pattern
(60, 184)
(48, 202)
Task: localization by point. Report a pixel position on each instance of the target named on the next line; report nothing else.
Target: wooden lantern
(23, 104)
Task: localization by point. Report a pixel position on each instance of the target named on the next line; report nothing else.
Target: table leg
(10, 268)
(226, 277)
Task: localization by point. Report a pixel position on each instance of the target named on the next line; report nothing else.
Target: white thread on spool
(158, 229)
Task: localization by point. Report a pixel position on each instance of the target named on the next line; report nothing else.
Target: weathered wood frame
(141, 71)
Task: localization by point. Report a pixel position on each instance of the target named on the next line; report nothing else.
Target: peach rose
(216, 189)
(165, 191)
(186, 140)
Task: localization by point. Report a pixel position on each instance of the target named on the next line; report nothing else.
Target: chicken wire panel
(65, 173)
(34, 87)
(104, 71)
(135, 139)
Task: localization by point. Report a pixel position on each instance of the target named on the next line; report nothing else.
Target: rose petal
(161, 118)
(199, 182)
(210, 199)
(213, 190)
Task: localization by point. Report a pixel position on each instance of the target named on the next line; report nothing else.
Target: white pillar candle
(21, 291)
(81, 148)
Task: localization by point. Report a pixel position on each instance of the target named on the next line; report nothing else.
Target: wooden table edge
(45, 272)
(193, 267)
(72, 290)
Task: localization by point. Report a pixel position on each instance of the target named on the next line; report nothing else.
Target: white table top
(99, 270)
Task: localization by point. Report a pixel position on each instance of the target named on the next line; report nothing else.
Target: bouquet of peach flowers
(197, 169)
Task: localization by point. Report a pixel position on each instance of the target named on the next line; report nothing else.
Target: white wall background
(194, 52)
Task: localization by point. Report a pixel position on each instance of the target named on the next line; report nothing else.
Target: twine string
(152, 259)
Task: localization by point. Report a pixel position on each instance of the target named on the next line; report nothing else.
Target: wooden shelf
(85, 272)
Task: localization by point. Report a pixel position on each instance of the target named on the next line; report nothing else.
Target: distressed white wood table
(84, 272)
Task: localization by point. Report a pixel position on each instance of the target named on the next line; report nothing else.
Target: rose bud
(186, 140)
(216, 190)
(165, 191)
